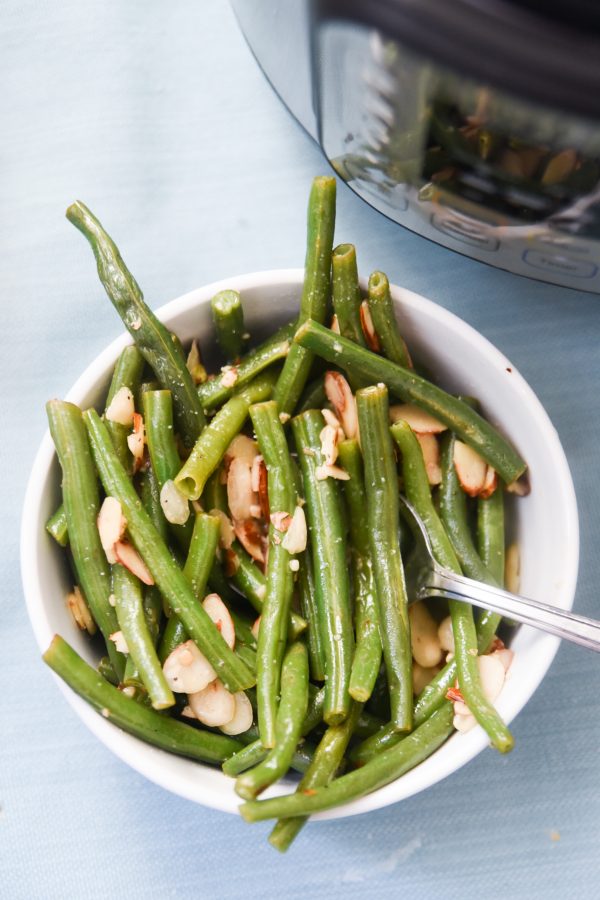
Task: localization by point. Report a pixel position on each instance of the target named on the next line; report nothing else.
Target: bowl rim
(148, 761)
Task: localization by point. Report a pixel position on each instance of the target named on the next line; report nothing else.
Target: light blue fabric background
(156, 115)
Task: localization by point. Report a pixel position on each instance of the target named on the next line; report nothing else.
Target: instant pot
(475, 123)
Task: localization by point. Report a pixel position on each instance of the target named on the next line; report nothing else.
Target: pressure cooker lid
(547, 52)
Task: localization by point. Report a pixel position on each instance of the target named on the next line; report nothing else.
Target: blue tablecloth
(156, 115)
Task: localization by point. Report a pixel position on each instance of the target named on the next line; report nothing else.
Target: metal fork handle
(578, 629)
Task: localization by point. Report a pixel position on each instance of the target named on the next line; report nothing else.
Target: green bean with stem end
(275, 614)
(382, 520)
(228, 319)
(147, 724)
(214, 392)
(327, 537)
(217, 436)
(82, 505)
(379, 771)
(418, 492)
(288, 725)
(367, 653)
(169, 578)
(315, 291)
(127, 592)
(152, 338)
(410, 387)
(326, 761)
(381, 307)
(347, 297)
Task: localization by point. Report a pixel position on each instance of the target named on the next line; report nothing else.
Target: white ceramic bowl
(544, 523)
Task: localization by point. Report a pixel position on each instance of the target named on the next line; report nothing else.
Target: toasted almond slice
(229, 376)
(256, 627)
(281, 520)
(335, 325)
(342, 399)
(323, 472)
(470, 467)
(240, 496)
(174, 505)
(187, 712)
(255, 472)
(227, 535)
(136, 441)
(329, 444)
(366, 320)
(187, 670)
(128, 556)
(194, 364)
(419, 420)
(111, 526)
(121, 408)
(331, 419)
(431, 457)
(512, 569)
(521, 487)
(297, 535)
(424, 640)
(242, 447)
(80, 612)
(490, 484)
(263, 490)
(249, 535)
(242, 717)
(118, 639)
(214, 705)
(218, 612)
(231, 562)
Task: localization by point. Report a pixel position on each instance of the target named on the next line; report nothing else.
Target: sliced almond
(174, 505)
(227, 534)
(490, 484)
(187, 712)
(331, 419)
(521, 487)
(296, 535)
(118, 639)
(136, 441)
(242, 717)
(424, 640)
(80, 612)
(431, 457)
(240, 496)
(342, 399)
(249, 535)
(231, 562)
(111, 526)
(366, 320)
(335, 325)
(281, 520)
(194, 364)
(255, 472)
(263, 490)
(242, 447)
(329, 444)
(256, 628)
(214, 705)
(470, 467)
(187, 670)
(128, 556)
(492, 674)
(229, 376)
(218, 612)
(323, 472)
(419, 420)
(121, 408)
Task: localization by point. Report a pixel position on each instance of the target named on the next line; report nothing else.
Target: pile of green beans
(263, 486)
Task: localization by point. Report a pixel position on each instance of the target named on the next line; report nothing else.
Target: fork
(426, 578)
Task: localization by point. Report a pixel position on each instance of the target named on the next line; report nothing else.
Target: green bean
(382, 516)
(147, 724)
(214, 393)
(328, 549)
(106, 670)
(381, 770)
(314, 397)
(309, 609)
(149, 489)
(57, 526)
(151, 337)
(367, 654)
(228, 319)
(127, 373)
(290, 716)
(130, 614)
(168, 576)
(254, 753)
(315, 291)
(326, 761)
(490, 542)
(216, 438)
(279, 577)
(404, 383)
(367, 724)
(152, 607)
(346, 293)
(173, 635)
(381, 307)
(418, 492)
(82, 505)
